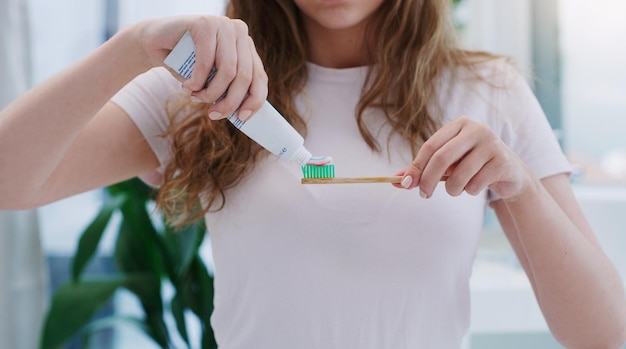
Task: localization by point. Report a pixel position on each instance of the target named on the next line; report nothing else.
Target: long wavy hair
(410, 43)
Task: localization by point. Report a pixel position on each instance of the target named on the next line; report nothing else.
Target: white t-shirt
(365, 266)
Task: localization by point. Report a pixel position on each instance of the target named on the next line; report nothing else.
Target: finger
(226, 60)
(437, 155)
(446, 157)
(428, 149)
(462, 173)
(482, 179)
(503, 173)
(257, 93)
(238, 89)
(204, 35)
(406, 182)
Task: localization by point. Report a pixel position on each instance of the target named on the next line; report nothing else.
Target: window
(593, 53)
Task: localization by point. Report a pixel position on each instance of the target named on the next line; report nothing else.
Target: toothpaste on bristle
(319, 167)
(320, 160)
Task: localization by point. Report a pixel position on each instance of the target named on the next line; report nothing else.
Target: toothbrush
(321, 170)
(347, 180)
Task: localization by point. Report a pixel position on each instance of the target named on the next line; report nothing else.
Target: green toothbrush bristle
(314, 171)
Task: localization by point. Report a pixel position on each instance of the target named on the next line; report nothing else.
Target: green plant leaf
(185, 243)
(204, 297)
(208, 338)
(136, 252)
(91, 236)
(137, 245)
(178, 312)
(148, 291)
(139, 250)
(133, 188)
(182, 245)
(196, 290)
(131, 254)
(73, 306)
(157, 330)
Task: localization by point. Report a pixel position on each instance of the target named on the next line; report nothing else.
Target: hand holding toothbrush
(472, 157)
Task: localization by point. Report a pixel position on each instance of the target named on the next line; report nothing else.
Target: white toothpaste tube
(266, 127)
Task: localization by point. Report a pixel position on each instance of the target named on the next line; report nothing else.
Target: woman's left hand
(472, 157)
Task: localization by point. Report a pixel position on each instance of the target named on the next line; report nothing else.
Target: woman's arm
(580, 292)
(62, 138)
(578, 289)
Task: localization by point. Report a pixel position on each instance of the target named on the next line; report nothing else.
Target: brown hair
(411, 43)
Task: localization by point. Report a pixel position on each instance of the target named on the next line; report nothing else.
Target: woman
(382, 88)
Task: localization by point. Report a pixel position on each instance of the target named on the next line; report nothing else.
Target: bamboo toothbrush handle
(347, 180)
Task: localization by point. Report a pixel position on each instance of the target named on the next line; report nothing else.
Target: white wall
(133, 10)
(60, 36)
(497, 26)
(593, 36)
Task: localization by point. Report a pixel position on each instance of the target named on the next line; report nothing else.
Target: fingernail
(406, 182)
(195, 99)
(423, 194)
(244, 115)
(215, 115)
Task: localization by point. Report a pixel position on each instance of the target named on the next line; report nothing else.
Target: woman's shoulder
(492, 88)
(478, 67)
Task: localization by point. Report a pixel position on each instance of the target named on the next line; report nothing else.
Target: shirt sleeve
(144, 100)
(524, 127)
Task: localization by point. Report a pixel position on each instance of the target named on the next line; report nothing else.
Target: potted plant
(147, 254)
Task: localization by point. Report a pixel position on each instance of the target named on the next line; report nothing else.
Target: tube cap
(301, 156)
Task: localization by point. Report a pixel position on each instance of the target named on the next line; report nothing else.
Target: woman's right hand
(64, 137)
(220, 42)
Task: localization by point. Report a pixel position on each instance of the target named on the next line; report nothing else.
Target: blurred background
(572, 52)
